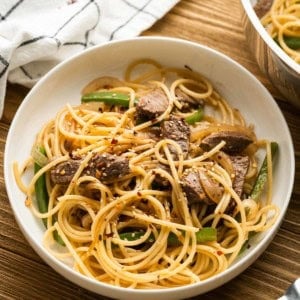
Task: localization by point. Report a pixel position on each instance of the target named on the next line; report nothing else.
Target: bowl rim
(249, 10)
(80, 279)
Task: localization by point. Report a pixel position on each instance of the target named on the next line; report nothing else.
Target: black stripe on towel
(58, 42)
(33, 40)
(5, 63)
(145, 12)
(71, 18)
(74, 43)
(138, 10)
(87, 33)
(11, 10)
(26, 73)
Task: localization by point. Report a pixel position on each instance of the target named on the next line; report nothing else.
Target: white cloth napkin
(35, 35)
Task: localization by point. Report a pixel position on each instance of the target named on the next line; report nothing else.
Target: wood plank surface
(217, 24)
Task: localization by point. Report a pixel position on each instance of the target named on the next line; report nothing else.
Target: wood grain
(217, 24)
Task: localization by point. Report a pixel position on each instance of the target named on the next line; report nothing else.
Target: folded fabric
(36, 35)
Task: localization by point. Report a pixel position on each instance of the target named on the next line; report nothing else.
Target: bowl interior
(63, 84)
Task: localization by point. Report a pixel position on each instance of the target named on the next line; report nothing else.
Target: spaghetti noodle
(283, 24)
(120, 175)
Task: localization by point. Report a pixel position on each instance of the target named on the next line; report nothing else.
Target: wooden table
(216, 23)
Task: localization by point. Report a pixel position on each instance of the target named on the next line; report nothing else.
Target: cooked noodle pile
(283, 24)
(128, 190)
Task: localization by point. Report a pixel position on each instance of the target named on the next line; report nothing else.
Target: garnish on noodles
(152, 181)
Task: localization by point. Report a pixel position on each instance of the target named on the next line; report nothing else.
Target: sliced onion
(38, 157)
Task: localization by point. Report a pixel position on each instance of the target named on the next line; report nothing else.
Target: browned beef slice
(153, 132)
(64, 172)
(191, 186)
(177, 130)
(236, 141)
(106, 167)
(152, 104)
(159, 181)
(240, 165)
(262, 7)
(110, 167)
(186, 100)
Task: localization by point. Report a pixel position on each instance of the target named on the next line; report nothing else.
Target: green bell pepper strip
(107, 97)
(291, 41)
(117, 98)
(41, 189)
(262, 175)
(197, 116)
(205, 234)
(246, 244)
(42, 197)
(58, 238)
(257, 190)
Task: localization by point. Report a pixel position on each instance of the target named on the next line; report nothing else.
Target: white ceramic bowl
(282, 71)
(63, 84)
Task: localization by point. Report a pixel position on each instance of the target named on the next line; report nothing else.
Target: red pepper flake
(119, 206)
(139, 194)
(114, 141)
(219, 252)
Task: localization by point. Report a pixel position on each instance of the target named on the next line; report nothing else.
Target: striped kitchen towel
(35, 35)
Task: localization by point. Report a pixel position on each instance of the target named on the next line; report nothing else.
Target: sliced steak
(177, 130)
(152, 105)
(152, 132)
(236, 141)
(240, 165)
(64, 172)
(105, 167)
(262, 7)
(187, 101)
(192, 187)
(159, 181)
(108, 167)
